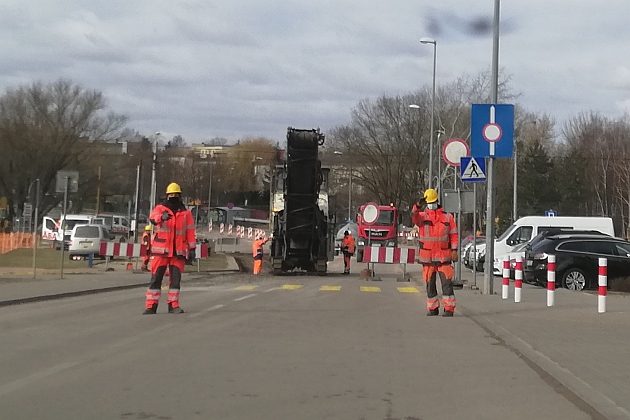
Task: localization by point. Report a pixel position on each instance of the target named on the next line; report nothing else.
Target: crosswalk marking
(370, 289)
(248, 288)
(292, 286)
(330, 288)
(408, 290)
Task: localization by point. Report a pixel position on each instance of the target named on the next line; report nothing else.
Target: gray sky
(236, 68)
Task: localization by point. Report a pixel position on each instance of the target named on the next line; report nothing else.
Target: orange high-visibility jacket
(257, 248)
(175, 236)
(348, 242)
(437, 233)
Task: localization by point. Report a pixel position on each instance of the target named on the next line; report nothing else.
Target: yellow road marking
(370, 289)
(408, 290)
(292, 286)
(247, 287)
(330, 288)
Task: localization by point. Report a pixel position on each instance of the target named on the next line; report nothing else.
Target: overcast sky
(237, 68)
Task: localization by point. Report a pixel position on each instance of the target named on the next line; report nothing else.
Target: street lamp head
(337, 152)
(414, 106)
(428, 41)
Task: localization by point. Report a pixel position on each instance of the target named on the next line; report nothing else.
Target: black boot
(433, 312)
(172, 310)
(150, 311)
(448, 313)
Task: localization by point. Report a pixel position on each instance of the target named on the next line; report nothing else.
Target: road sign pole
(488, 275)
(474, 245)
(63, 225)
(35, 234)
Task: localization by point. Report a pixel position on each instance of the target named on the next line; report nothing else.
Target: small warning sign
(473, 169)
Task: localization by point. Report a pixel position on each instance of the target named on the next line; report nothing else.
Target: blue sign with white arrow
(472, 169)
(492, 130)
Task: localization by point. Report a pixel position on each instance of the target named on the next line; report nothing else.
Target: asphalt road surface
(290, 347)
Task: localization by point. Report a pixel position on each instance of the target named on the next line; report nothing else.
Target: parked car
(86, 240)
(519, 250)
(577, 260)
(467, 251)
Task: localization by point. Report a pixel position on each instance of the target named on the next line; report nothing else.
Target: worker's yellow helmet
(173, 188)
(147, 228)
(430, 196)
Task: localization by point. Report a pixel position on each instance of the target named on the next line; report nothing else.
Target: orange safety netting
(15, 240)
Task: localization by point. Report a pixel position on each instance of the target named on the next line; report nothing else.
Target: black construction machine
(302, 232)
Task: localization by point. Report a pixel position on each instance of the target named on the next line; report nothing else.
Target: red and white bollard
(602, 280)
(506, 278)
(518, 279)
(551, 279)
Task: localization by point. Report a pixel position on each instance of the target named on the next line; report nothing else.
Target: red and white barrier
(250, 232)
(518, 279)
(506, 278)
(221, 228)
(122, 249)
(229, 229)
(201, 251)
(388, 255)
(602, 280)
(551, 279)
(210, 226)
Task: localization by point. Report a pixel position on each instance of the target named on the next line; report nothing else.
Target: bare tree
(48, 127)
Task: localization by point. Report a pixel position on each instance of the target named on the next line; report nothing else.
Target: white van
(51, 228)
(527, 227)
(117, 224)
(86, 240)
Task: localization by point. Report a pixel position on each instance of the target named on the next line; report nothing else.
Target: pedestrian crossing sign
(473, 169)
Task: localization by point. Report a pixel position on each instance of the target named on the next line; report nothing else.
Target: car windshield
(506, 233)
(385, 217)
(87, 232)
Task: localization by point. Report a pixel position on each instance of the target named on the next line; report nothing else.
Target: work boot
(172, 310)
(448, 313)
(433, 312)
(150, 311)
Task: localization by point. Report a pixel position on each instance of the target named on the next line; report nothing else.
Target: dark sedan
(577, 261)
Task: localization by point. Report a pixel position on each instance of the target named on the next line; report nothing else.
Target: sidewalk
(18, 284)
(576, 350)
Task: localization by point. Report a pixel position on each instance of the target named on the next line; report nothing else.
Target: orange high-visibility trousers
(430, 272)
(258, 266)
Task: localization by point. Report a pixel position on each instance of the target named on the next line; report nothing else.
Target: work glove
(165, 216)
(454, 255)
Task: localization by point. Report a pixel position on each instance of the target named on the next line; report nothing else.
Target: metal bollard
(602, 280)
(518, 279)
(506, 279)
(551, 279)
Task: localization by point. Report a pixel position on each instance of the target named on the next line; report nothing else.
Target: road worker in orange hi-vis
(173, 242)
(146, 241)
(257, 252)
(437, 234)
(348, 247)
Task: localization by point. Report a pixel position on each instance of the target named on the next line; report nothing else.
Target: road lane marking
(370, 289)
(272, 289)
(292, 286)
(248, 288)
(210, 309)
(408, 290)
(245, 297)
(330, 288)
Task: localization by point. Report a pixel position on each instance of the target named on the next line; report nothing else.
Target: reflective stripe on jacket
(175, 236)
(437, 233)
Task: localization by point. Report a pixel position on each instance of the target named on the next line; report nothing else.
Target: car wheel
(574, 279)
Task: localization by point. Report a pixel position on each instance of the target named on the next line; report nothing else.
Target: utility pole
(488, 275)
(136, 209)
(35, 234)
(153, 187)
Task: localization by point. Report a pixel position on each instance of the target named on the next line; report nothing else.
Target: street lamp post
(153, 187)
(434, 43)
(337, 152)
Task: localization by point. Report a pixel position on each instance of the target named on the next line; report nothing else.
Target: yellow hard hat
(147, 227)
(430, 196)
(173, 188)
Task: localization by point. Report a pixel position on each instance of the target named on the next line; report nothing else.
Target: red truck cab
(382, 232)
